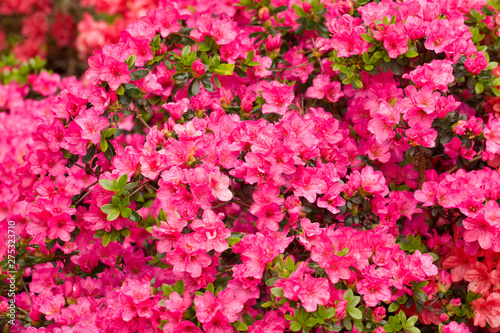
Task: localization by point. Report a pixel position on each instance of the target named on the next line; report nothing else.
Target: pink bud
(444, 281)
(198, 69)
(307, 7)
(273, 44)
(379, 314)
(460, 127)
(264, 13)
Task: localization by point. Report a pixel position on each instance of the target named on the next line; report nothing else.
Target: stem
(138, 188)
(455, 168)
(143, 121)
(27, 292)
(287, 68)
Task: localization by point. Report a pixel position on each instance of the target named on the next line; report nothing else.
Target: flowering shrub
(306, 166)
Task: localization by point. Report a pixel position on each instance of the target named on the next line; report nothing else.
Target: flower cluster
(268, 167)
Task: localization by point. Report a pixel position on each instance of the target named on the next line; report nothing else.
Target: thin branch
(27, 292)
(143, 121)
(138, 188)
(455, 168)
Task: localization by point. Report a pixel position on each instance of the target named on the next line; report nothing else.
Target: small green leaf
(355, 313)
(107, 184)
(393, 307)
(135, 217)
(479, 88)
(126, 212)
(277, 291)
(120, 90)
(411, 54)
(295, 326)
(179, 287)
(113, 215)
(266, 304)
(233, 240)
(132, 90)
(138, 74)
(122, 181)
(107, 208)
(194, 87)
(186, 51)
(106, 239)
(167, 289)
(125, 232)
(348, 296)
(240, 326)
(204, 47)
(411, 321)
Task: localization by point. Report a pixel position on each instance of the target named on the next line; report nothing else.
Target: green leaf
(135, 217)
(204, 47)
(247, 319)
(270, 282)
(413, 330)
(348, 296)
(107, 208)
(122, 181)
(90, 154)
(311, 322)
(277, 291)
(240, 326)
(179, 287)
(495, 91)
(167, 289)
(216, 81)
(126, 212)
(368, 38)
(162, 216)
(240, 72)
(225, 69)
(266, 304)
(113, 215)
(186, 51)
(233, 240)
(120, 90)
(295, 326)
(130, 61)
(355, 313)
(290, 264)
(138, 74)
(132, 90)
(330, 312)
(411, 54)
(107, 185)
(194, 87)
(393, 307)
(343, 252)
(411, 321)
(479, 88)
(168, 64)
(106, 239)
(125, 232)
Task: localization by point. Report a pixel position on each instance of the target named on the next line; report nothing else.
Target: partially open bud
(273, 45)
(264, 13)
(198, 68)
(307, 7)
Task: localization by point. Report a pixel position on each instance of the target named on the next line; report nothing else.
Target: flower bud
(444, 281)
(460, 127)
(273, 45)
(307, 7)
(379, 314)
(198, 68)
(264, 13)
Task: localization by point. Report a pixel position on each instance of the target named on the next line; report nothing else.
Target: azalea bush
(262, 166)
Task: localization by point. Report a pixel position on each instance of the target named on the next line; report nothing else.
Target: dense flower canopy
(263, 166)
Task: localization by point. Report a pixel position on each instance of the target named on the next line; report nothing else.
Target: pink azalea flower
(278, 97)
